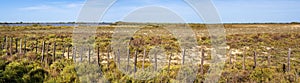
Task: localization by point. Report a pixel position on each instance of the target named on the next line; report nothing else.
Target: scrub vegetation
(255, 53)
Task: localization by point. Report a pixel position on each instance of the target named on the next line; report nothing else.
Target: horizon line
(150, 22)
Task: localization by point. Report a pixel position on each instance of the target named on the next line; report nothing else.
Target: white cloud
(73, 5)
(39, 7)
(53, 6)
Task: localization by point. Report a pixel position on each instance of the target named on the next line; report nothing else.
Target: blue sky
(230, 11)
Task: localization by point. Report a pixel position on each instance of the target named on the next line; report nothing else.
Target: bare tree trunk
(169, 64)
(3, 43)
(128, 58)
(25, 46)
(202, 62)
(54, 51)
(144, 55)
(10, 46)
(230, 57)
(89, 54)
(118, 57)
(155, 60)
(297, 76)
(183, 56)
(269, 60)
(244, 58)
(63, 50)
(20, 46)
(108, 57)
(16, 42)
(6, 45)
(98, 56)
(255, 64)
(289, 56)
(115, 55)
(68, 54)
(36, 46)
(81, 53)
(135, 61)
(43, 50)
(234, 64)
(74, 53)
(47, 48)
(46, 52)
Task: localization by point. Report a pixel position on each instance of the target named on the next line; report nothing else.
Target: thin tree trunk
(16, 42)
(118, 57)
(230, 57)
(3, 43)
(169, 64)
(244, 58)
(47, 47)
(128, 58)
(54, 50)
(202, 61)
(234, 64)
(108, 53)
(25, 46)
(155, 61)
(10, 46)
(289, 56)
(183, 56)
(36, 46)
(43, 50)
(74, 53)
(135, 61)
(297, 76)
(255, 64)
(108, 57)
(68, 53)
(6, 45)
(115, 55)
(269, 60)
(81, 53)
(98, 56)
(144, 55)
(20, 46)
(89, 54)
(63, 50)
